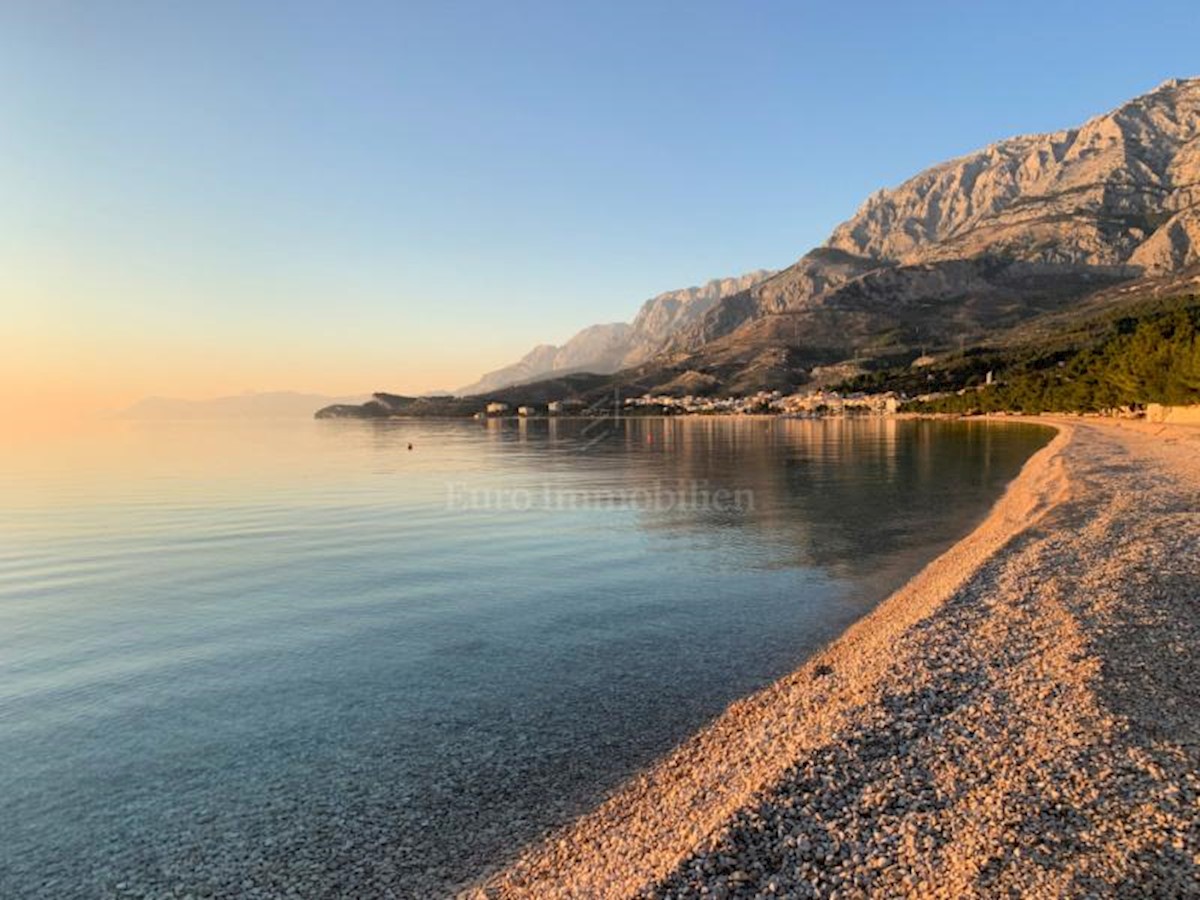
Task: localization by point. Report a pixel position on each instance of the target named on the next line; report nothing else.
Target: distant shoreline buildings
(810, 405)
(815, 403)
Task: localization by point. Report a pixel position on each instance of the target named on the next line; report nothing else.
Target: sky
(200, 199)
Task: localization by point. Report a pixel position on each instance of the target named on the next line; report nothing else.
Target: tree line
(1154, 358)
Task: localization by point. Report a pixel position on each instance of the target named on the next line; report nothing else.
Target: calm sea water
(239, 659)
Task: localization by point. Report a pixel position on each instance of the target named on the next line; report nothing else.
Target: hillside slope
(1018, 228)
(1028, 229)
(618, 345)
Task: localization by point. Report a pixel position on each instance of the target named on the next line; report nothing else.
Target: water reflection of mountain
(845, 495)
(282, 603)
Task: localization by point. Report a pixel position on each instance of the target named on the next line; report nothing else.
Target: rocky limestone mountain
(1022, 225)
(662, 316)
(614, 346)
(1090, 195)
(1032, 229)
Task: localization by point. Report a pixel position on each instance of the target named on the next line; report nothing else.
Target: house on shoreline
(565, 407)
(814, 403)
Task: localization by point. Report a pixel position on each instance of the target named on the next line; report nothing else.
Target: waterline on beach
(223, 649)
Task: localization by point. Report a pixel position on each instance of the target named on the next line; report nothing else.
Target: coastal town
(813, 404)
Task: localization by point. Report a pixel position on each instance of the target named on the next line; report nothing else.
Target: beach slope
(1019, 720)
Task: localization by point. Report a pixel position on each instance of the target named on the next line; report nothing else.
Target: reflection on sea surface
(302, 653)
(840, 494)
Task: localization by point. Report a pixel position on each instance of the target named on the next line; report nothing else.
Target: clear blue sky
(398, 195)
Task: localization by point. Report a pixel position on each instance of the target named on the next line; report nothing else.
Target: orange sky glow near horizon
(47, 381)
(72, 348)
(52, 367)
(204, 200)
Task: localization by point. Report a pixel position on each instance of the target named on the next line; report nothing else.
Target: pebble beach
(1020, 720)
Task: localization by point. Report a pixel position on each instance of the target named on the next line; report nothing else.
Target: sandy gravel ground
(1021, 720)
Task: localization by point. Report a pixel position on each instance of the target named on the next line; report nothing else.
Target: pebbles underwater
(1020, 720)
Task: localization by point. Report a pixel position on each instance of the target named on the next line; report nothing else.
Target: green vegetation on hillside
(1154, 358)
(1148, 353)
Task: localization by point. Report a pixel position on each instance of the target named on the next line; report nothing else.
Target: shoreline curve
(651, 825)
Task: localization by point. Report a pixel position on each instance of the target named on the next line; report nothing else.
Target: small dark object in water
(410, 446)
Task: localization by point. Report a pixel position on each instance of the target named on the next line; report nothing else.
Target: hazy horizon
(213, 200)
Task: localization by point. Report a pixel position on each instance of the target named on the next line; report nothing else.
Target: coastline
(939, 744)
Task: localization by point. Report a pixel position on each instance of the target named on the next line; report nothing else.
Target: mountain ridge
(1026, 227)
(609, 347)
(1114, 199)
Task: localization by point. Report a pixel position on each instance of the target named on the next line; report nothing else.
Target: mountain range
(1022, 227)
(1022, 230)
(618, 345)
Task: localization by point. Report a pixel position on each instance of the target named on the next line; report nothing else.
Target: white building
(496, 408)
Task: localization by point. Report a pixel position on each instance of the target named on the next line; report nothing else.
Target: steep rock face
(603, 344)
(533, 364)
(1173, 247)
(1115, 198)
(817, 272)
(663, 316)
(610, 347)
(1024, 233)
(889, 309)
(1089, 195)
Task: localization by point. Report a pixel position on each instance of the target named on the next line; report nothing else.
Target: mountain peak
(1089, 195)
(969, 248)
(1172, 84)
(608, 347)
(1021, 224)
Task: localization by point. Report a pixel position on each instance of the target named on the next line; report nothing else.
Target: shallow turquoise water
(240, 658)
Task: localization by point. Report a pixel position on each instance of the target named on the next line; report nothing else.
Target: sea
(377, 658)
